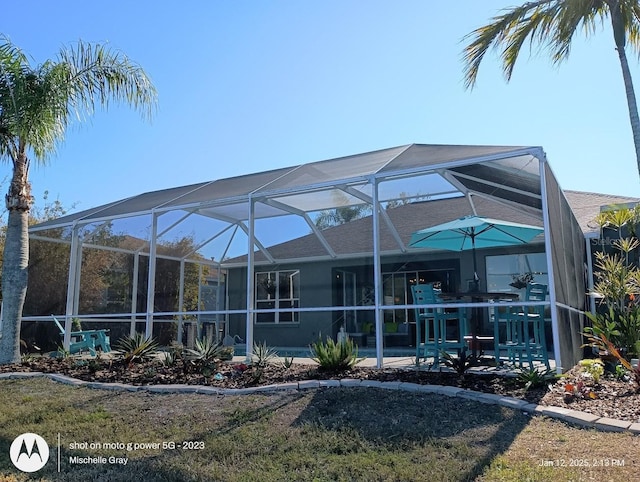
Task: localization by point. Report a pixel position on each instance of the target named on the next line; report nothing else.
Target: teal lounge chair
(89, 340)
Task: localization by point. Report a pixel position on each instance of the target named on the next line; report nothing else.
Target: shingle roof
(356, 236)
(586, 206)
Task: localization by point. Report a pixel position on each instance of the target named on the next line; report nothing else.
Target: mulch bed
(611, 397)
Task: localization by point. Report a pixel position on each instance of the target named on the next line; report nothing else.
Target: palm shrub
(137, 348)
(332, 356)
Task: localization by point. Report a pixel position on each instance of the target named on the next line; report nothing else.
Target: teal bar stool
(512, 342)
(533, 320)
(524, 327)
(431, 324)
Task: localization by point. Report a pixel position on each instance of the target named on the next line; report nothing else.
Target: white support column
(218, 305)
(134, 292)
(250, 279)
(590, 285)
(72, 285)
(550, 268)
(76, 290)
(377, 275)
(181, 297)
(151, 282)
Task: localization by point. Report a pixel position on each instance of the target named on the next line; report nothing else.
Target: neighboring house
(319, 281)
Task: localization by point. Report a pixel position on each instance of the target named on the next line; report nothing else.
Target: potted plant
(521, 281)
(269, 286)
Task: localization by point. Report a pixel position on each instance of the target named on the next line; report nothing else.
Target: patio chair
(512, 342)
(524, 326)
(436, 340)
(89, 340)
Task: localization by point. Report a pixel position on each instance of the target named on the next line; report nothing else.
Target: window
(277, 290)
(510, 273)
(397, 290)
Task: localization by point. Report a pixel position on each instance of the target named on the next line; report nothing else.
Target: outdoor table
(478, 297)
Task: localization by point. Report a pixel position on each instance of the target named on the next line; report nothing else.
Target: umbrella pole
(476, 279)
(476, 288)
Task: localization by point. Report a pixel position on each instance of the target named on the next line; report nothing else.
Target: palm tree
(37, 103)
(552, 24)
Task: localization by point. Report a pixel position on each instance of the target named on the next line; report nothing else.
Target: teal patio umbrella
(471, 232)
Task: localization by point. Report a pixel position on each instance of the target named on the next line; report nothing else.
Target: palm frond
(492, 35)
(547, 25)
(97, 74)
(37, 103)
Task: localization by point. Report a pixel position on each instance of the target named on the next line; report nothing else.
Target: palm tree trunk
(15, 262)
(620, 38)
(631, 102)
(14, 284)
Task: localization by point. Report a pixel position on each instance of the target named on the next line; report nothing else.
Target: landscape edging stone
(567, 415)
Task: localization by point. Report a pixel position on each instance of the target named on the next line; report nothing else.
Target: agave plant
(332, 356)
(263, 354)
(461, 363)
(534, 377)
(205, 354)
(137, 348)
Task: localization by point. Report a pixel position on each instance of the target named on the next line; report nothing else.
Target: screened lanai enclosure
(289, 255)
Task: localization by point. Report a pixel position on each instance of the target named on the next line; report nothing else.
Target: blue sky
(255, 85)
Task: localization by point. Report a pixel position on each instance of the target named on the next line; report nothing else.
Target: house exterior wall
(317, 289)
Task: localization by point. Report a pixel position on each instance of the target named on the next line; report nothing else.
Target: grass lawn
(331, 434)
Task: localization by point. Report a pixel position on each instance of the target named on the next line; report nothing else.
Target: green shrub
(620, 326)
(227, 352)
(76, 324)
(332, 356)
(594, 367)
